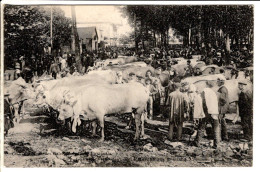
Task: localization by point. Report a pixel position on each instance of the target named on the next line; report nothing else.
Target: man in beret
(245, 106)
(223, 102)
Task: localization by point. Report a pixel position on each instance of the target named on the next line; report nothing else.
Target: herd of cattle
(96, 93)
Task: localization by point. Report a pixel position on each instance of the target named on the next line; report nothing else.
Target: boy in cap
(223, 103)
(245, 106)
(153, 91)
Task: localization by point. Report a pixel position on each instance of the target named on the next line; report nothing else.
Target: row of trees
(27, 31)
(201, 25)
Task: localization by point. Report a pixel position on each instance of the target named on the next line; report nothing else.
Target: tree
(212, 26)
(27, 31)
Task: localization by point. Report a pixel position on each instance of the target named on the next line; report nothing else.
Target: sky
(98, 13)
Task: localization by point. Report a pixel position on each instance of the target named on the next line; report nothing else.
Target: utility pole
(75, 39)
(51, 32)
(136, 42)
(73, 27)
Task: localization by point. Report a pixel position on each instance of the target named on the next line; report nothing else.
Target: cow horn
(65, 92)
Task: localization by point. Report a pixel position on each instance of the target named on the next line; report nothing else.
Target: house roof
(87, 32)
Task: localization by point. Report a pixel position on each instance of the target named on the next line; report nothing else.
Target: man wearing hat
(8, 113)
(119, 78)
(178, 106)
(197, 72)
(189, 69)
(17, 72)
(223, 102)
(212, 71)
(211, 110)
(132, 77)
(245, 106)
(54, 69)
(171, 86)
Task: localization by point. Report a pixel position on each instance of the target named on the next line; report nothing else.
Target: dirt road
(36, 142)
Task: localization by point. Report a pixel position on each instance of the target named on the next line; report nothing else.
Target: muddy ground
(38, 142)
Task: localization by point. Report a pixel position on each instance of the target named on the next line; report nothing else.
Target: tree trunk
(165, 40)
(161, 40)
(199, 42)
(227, 43)
(142, 34)
(189, 36)
(154, 37)
(136, 41)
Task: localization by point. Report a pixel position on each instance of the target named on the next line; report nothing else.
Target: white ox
(182, 64)
(99, 100)
(126, 70)
(207, 69)
(140, 64)
(19, 91)
(50, 92)
(120, 60)
(195, 79)
(54, 96)
(107, 76)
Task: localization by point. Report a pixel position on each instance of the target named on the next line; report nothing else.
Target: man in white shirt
(211, 110)
(63, 64)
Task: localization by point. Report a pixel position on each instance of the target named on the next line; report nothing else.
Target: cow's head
(66, 107)
(65, 111)
(19, 92)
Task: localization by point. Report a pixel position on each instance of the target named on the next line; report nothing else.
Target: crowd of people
(184, 100)
(63, 64)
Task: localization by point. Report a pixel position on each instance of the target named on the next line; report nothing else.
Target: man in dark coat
(197, 72)
(189, 69)
(54, 69)
(223, 107)
(245, 105)
(8, 114)
(178, 104)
